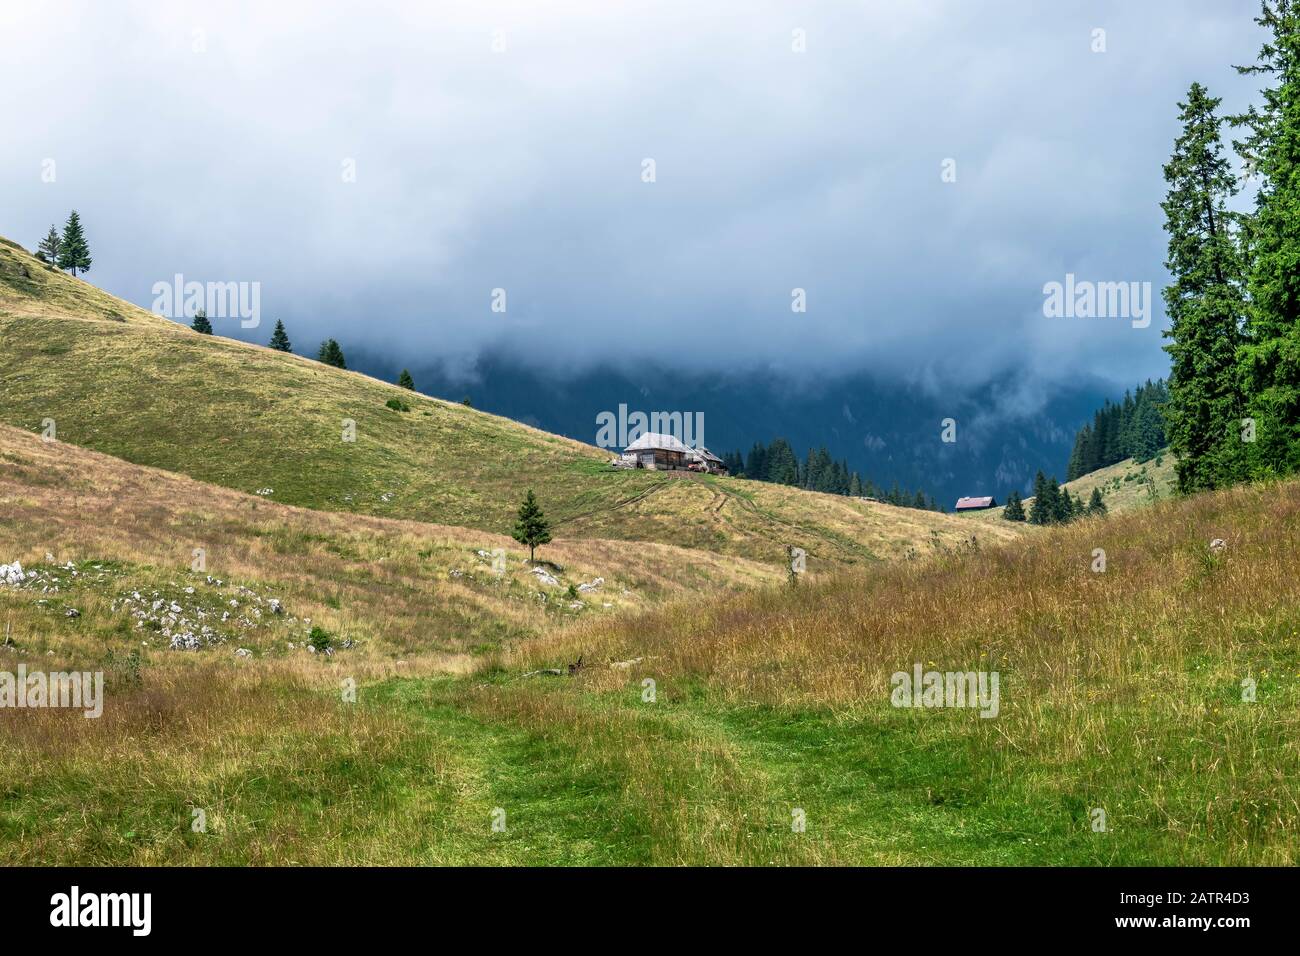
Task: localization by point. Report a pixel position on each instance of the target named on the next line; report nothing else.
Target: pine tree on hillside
(201, 323)
(1095, 505)
(855, 486)
(405, 381)
(1145, 432)
(1269, 362)
(1075, 468)
(756, 464)
(531, 528)
(843, 478)
(1205, 303)
(280, 338)
(810, 474)
(48, 250)
(1040, 512)
(822, 476)
(74, 251)
(780, 464)
(331, 354)
(1014, 510)
(1059, 502)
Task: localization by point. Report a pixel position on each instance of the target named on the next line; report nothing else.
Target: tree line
(777, 463)
(1233, 412)
(1133, 428)
(1052, 504)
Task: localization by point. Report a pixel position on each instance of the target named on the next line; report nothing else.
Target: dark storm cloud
(212, 140)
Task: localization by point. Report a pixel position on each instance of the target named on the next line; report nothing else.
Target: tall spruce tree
(1059, 502)
(1095, 505)
(1205, 303)
(331, 354)
(48, 250)
(201, 323)
(1269, 361)
(405, 381)
(781, 465)
(74, 251)
(1042, 510)
(1014, 510)
(280, 338)
(531, 527)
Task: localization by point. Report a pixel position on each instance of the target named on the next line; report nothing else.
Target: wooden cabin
(657, 452)
(701, 459)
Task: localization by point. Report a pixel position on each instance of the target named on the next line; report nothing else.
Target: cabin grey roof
(654, 441)
(704, 453)
(985, 501)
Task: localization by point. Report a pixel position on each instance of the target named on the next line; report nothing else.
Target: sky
(920, 170)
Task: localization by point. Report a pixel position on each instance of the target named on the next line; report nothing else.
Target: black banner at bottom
(336, 906)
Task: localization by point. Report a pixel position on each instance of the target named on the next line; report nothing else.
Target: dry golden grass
(387, 582)
(1035, 604)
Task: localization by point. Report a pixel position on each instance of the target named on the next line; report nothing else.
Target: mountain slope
(697, 731)
(1125, 486)
(401, 588)
(122, 381)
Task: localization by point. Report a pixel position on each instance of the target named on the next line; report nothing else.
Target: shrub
(320, 639)
(397, 405)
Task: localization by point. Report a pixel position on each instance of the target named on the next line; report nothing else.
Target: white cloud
(521, 169)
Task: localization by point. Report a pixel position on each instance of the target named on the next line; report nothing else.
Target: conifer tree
(1041, 511)
(332, 354)
(74, 251)
(531, 528)
(1058, 502)
(280, 338)
(405, 381)
(779, 463)
(48, 250)
(1269, 361)
(1095, 505)
(201, 323)
(1205, 303)
(1014, 510)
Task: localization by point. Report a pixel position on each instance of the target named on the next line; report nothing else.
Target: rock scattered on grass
(545, 577)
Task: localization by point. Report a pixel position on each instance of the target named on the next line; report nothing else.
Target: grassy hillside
(122, 381)
(397, 588)
(1129, 484)
(1125, 486)
(1120, 691)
